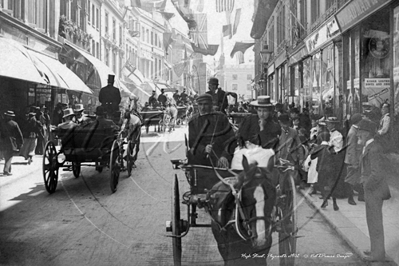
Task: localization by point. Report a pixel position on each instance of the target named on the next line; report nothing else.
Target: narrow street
(82, 223)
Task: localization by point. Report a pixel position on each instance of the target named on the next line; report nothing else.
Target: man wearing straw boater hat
(11, 140)
(110, 97)
(211, 137)
(80, 117)
(260, 128)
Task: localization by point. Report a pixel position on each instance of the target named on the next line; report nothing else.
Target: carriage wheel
(50, 167)
(287, 235)
(76, 169)
(114, 166)
(129, 160)
(176, 230)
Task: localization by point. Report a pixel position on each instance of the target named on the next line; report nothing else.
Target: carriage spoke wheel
(50, 167)
(287, 235)
(176, 230)
(114, 165)
(76, 168)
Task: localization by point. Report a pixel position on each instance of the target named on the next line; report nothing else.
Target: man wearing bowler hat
(110, 97)
(219, 99)
(260, 128)
(11, 139)
(211, 137)
(375, 186)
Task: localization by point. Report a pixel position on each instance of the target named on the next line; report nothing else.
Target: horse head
(256, 198)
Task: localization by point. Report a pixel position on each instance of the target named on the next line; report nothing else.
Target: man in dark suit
(210, 136)
(260, 128)
(375, 186)
(110, 96)
(11, 139)
(162, 98)
(219, 101)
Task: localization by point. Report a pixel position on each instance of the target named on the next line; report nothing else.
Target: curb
(354, 239)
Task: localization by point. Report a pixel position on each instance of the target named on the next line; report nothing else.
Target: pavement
(350, 223)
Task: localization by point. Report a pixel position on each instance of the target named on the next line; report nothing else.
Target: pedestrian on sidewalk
(10, 140)
(30, 132)
(375, 185)
(352, 156)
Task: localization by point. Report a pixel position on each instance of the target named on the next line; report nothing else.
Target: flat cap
(205, 98)
(367, 125)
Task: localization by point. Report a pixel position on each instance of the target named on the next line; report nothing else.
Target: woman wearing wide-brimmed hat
(10, 140)
(260, 128)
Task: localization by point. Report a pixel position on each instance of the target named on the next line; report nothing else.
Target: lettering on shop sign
(328, 31)
(377, 83)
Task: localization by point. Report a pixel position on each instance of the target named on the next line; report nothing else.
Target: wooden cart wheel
(287, 235)
(50, 167)
(176, 230)
(114, 166)
(76, 168)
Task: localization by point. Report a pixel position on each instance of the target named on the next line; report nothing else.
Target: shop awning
(58, 74)
(101, 69)
(16, 64)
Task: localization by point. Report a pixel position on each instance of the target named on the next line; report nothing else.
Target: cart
(84, 145)
(152, 117)
(202, 178)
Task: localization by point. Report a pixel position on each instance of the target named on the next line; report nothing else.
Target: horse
(131, 125)
(170, 117)
(241, 215)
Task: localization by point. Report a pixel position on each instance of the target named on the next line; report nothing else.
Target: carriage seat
(92, 141)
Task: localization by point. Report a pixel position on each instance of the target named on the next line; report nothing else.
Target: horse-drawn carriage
(163, 118)
(95, 142)
(238, 210)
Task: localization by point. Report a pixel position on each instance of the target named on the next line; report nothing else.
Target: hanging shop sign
(323, 35)
(356, 11)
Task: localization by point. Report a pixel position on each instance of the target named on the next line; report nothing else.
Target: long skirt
(28, 148)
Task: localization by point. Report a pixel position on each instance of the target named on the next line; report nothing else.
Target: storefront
(370, 28)
(319, 72)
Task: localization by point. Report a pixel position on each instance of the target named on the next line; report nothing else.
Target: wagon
(152, 117)
(84, 145)
(201, 179)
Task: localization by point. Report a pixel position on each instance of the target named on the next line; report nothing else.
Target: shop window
(375, 62)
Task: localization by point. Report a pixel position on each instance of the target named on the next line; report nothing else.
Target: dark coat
(219, 100)
(110, 96)
(9, 129)
(162, 99)
(249, 130)
(212, 128)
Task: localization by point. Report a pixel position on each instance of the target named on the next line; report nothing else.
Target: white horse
(132, 123)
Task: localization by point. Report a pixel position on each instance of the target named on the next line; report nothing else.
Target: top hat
(213, 81)
(100, 110)
(78, 107)
(68, 112)
(205, 98)
(111, 78)
(9, 113)
(367, 125)
(262, 101)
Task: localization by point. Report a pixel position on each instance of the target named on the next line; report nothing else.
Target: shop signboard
(324, 34)
(377, 89)
(357, 10)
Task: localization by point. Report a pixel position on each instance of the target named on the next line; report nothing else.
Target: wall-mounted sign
(324, 34)
(377, 83)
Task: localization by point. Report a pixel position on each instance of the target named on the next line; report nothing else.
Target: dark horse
(241, 210)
